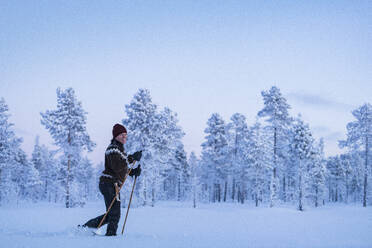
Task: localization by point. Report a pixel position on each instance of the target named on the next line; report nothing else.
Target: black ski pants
(112, 219)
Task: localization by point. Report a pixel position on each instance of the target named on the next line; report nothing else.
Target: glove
(135, 172)
(135, 156)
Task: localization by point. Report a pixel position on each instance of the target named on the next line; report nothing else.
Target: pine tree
(356, 181)
(83, 173)
(27, 177)
(359, 135)
(170, 157)
(182, 172)
(38, 163)
(159, 136)
(67, 126)
(301, 148)
(237, 140)
(44, 162)
(141, 117)
(258, 156)
(346, 165)
(215, 153)
(317, 173)
(276, 109)
(195, 177)
(9, 147)
(335, 178)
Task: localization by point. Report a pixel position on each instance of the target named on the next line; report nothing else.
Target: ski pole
(130, 200)
(113, 200)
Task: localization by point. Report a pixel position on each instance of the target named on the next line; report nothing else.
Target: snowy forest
(274, 161)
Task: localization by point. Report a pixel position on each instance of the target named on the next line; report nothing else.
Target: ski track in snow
(171, 224)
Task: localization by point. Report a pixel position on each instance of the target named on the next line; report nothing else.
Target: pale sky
(196, 57)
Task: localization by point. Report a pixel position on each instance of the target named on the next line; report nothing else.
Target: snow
(172, 224)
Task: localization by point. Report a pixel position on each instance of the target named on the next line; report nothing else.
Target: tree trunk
(242, 198)
(68, 183)
(256, 194)
(153, 197)
(329, 192)
(300, 207)
(347, 188)
(179, 189)
(300, 193)
(225, 193)
(256, 199)
(274, 169)
(233, 190)
(46, 190)
(365, 176)
(316, 196)
(0, 189)
(273, 187)
(284, 193)
(144, 191)
(238, 196)
(194, 197)
(214, 192)
(68, 173)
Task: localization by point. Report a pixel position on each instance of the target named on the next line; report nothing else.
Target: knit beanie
(118, 129)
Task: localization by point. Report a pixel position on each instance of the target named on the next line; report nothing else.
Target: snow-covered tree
(346, 164)
(215, 154)
(170, 157)
(356, 181)
(67, 126)
(47, 167)
(159, 136)
(141, 116)
(301, 147)
(276, 111)
(317, 174)
(259, 160)
(195, 178)
(9, 146)
(335, 178)
(182, 173)
(83, 173)
(27, 177)
(237, 140)
(359, 136)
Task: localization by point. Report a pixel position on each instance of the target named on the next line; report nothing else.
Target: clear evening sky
(196, 57)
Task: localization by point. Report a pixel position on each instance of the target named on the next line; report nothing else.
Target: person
(116, 168)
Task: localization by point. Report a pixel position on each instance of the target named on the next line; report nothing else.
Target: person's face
(122, 138)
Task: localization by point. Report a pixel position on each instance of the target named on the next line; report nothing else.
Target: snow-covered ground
(171, 224)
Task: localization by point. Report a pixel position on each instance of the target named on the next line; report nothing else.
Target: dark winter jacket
(116, 163)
